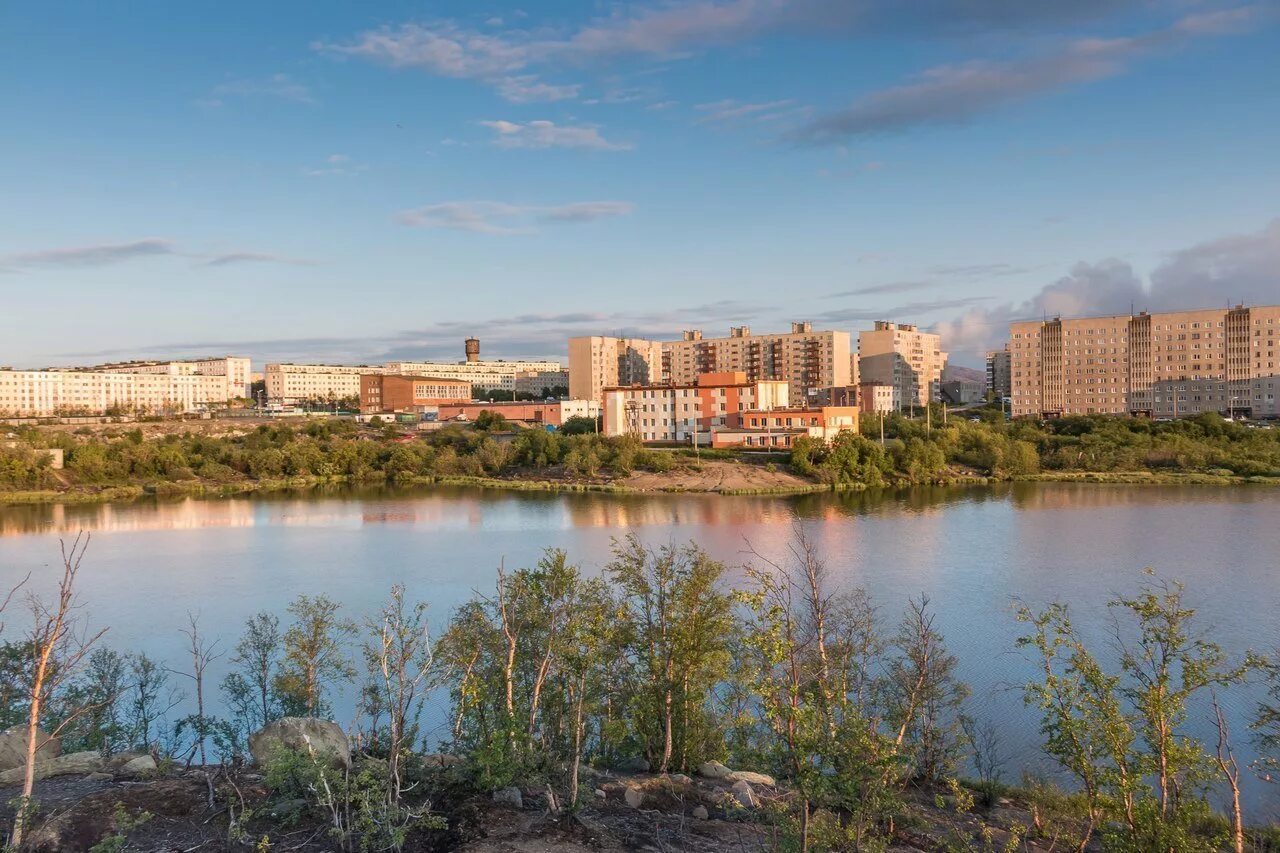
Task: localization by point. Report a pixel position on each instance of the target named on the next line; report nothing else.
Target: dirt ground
(717, 476)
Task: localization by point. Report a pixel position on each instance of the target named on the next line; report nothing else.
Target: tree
(580, 425)
(59, 645)
(199, 725)
(250, 691)
(314, 655)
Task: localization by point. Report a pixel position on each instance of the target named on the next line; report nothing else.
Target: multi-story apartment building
(46, 393)
(598, 362)
(236, 368)
(999, 373)
(483, 375)
(538, 382)
(289, 384)
(1162, 365)
(804, 358)
(779, 428)
(385, 392)
(679, 412)
(901, 355)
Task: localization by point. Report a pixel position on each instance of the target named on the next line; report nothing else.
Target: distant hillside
(954, 372)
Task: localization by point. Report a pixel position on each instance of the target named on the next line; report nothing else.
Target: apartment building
(804, 358)
(483, 375)
(385, 392)
(999, 373)
(1169, 364)
(598, 362)
(901, 355)
(236, 368)
(290, 384)
(48, 393)
(779, 428)
(679, 412)
(539, 382)
(553, 413)
(878, 398)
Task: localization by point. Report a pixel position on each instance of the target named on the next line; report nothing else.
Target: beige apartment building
(679, 412)
(290, 384)
(483, 375)
(804, 358)
(237, 370)
(1163, 365)
(901, 355)
(49, 393)
(598, 362)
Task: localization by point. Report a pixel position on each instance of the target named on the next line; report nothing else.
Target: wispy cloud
(528, 89)
(957, 94)
(731, 110)
(547, 134)
(494, 217)
(232, 258)
(912, 310)
(337, 164)
(279, 86)
(992, 270)
(97, 255)
(891, 287)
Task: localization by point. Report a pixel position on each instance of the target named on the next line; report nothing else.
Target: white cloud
(547, 134)
(503, 218)
(280, 86)
(527, 89)
(97, 255)
(731, 110)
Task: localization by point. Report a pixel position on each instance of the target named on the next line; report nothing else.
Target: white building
(483, 375)
(235, 368)
(47, 393)
(290, 384)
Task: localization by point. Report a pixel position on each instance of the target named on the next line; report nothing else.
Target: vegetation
(658, 664)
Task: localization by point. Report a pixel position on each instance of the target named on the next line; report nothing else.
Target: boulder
(13, 748)
(680, 779)
(441, 760)
(713, 770)
(633, 796)
(700, 813)
(71, 764)
(143, 765)
(510, 797)
(753, 778)
(745, 796)
(99, 777)
(324, 738)
(635, 764)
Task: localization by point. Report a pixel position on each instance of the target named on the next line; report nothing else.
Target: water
(973, 551)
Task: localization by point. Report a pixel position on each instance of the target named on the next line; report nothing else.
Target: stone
(745, 796)
(600, 793)
(143, 765)
(633, 796)
(700, 813)
(13, 748)
(753, 778)
(99, 777)
(120, 759)
(71, 764)
(509, 797)
(680, 779)
(441, 760)
(713, 770)
(324, 738)
(635, 764)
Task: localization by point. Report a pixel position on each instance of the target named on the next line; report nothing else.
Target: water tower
(473, 349)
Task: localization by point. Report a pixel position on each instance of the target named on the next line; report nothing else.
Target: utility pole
(882, 428)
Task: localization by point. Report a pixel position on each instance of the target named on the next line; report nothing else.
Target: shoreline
(185, 489)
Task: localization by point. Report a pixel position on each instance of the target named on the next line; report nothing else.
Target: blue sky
(350, 182)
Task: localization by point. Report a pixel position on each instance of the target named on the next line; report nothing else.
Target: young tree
(59, 645)
(314, 655)
(148, 702)
(250, 690)
(199, 725)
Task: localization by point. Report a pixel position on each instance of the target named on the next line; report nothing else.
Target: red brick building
(381, 392)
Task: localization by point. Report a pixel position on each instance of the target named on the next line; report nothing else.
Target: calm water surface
(973, 551)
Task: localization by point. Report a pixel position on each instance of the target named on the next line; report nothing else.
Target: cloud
(661, 30)
(280, 86)
(1239, 268)
(337, 164)
(956, 94)
(87, 256)
(891, 287)
(909, 310)
(232, 258)
(547, 134)
(527, 89)
(979, 270)
(494, 217)
(731, 110)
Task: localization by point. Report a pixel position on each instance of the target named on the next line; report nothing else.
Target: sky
(360, 182)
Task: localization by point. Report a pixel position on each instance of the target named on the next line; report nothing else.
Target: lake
(972, 550)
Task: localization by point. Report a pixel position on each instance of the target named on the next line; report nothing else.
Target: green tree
(315, 656)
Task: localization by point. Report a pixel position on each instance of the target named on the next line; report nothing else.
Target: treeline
(918, 451)
(659, 665)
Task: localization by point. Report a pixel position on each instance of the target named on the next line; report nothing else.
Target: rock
(700, 813)
(635, 764)
(745, 796)
(99, 777)
(324, 738)
(601, 794)
(680, 779)
(80, 825)
(510, 797)
(13, 748)
(634, 796)
(71, 764)
(753, 778)
(441, 760)
(120, 759)
(713, 770)
(141, 766)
